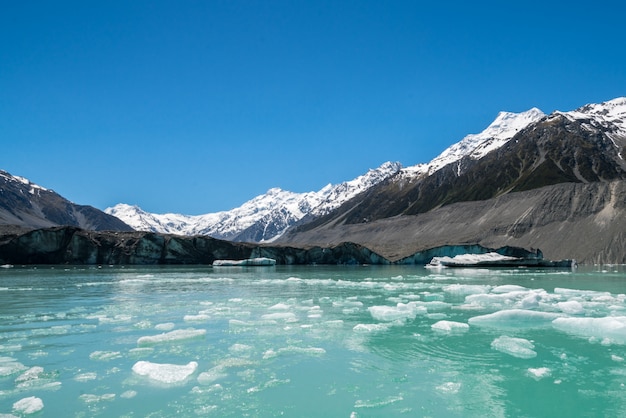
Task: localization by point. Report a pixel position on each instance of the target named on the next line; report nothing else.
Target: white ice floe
(92, 398)
(516, 347)
(208, 377)
(377, 403)
(167, 326)
(368, 328)
(450, 326)
(168, 337)
(105, 355)
(85, 377)
(9, 366)
(514, 318)
(196, 318)
(402, 311)
(460, 290)
(611, 329)
(539, 372)
(30, 374)
(165, 373)
(449, 388)
(571, 307)
(28, 405)
(281, 316)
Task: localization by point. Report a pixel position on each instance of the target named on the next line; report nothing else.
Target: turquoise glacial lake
(314, 341)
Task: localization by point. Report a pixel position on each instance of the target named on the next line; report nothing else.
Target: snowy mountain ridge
(276, 205)
(268, 216)
(503, 128)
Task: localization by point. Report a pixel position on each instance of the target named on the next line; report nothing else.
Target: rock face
(584, 221)
(69, 245)
(27, 205)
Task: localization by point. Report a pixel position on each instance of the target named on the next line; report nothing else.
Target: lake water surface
(312, 341)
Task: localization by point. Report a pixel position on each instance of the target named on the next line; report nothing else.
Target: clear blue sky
(198, 106)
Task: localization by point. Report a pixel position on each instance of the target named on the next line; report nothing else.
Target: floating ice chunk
(167, 326)
(281, 316)
(9, 366)
(312, 351)
(208, 377)
(571, 307)
(84, 377)
(539, 373)
(514, 318)
(516, 347)
(165, 373)
(91, 398)
(367, 328)
(172, 336)
(612, 328)
(105, 355)
(28, 405)
(196, 318)
(508, 288)
(377, 403)
(587, 294)
(449, 387)
(10, 348)
(279, 307)
(402, 311)
(450, 326)
(240, 348)
(466, 289)
(129, 394)
(30, 374)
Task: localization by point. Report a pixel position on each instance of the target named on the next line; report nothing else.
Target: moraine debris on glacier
(71, 245)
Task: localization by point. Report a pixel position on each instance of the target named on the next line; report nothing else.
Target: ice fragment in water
(571, 307)
(176, 335)
(165, 373)
(514, 318)
(28, 405)
(539, 373)
(516, 347)
(612, 328)
(400, 311)
(450, 326)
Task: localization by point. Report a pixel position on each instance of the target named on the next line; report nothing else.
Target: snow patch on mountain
(33, 188)
(609, 116)
(503, 128)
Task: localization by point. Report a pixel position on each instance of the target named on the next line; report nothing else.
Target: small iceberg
(260, 261)
(494, 259)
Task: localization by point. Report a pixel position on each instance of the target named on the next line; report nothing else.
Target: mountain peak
(610, 115)
(503, 128)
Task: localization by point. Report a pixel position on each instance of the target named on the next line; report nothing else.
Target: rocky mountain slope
(557, 184)
(26, 205)
(261, 219)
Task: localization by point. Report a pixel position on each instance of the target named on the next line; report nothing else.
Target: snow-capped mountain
(503, 128)
(268, 216)
(609, 116)
(263, 218)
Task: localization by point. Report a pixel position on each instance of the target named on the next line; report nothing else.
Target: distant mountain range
(266, 217)
(529, 179)
(261, 219)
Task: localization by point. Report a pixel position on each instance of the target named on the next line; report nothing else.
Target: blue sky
(198, 106)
